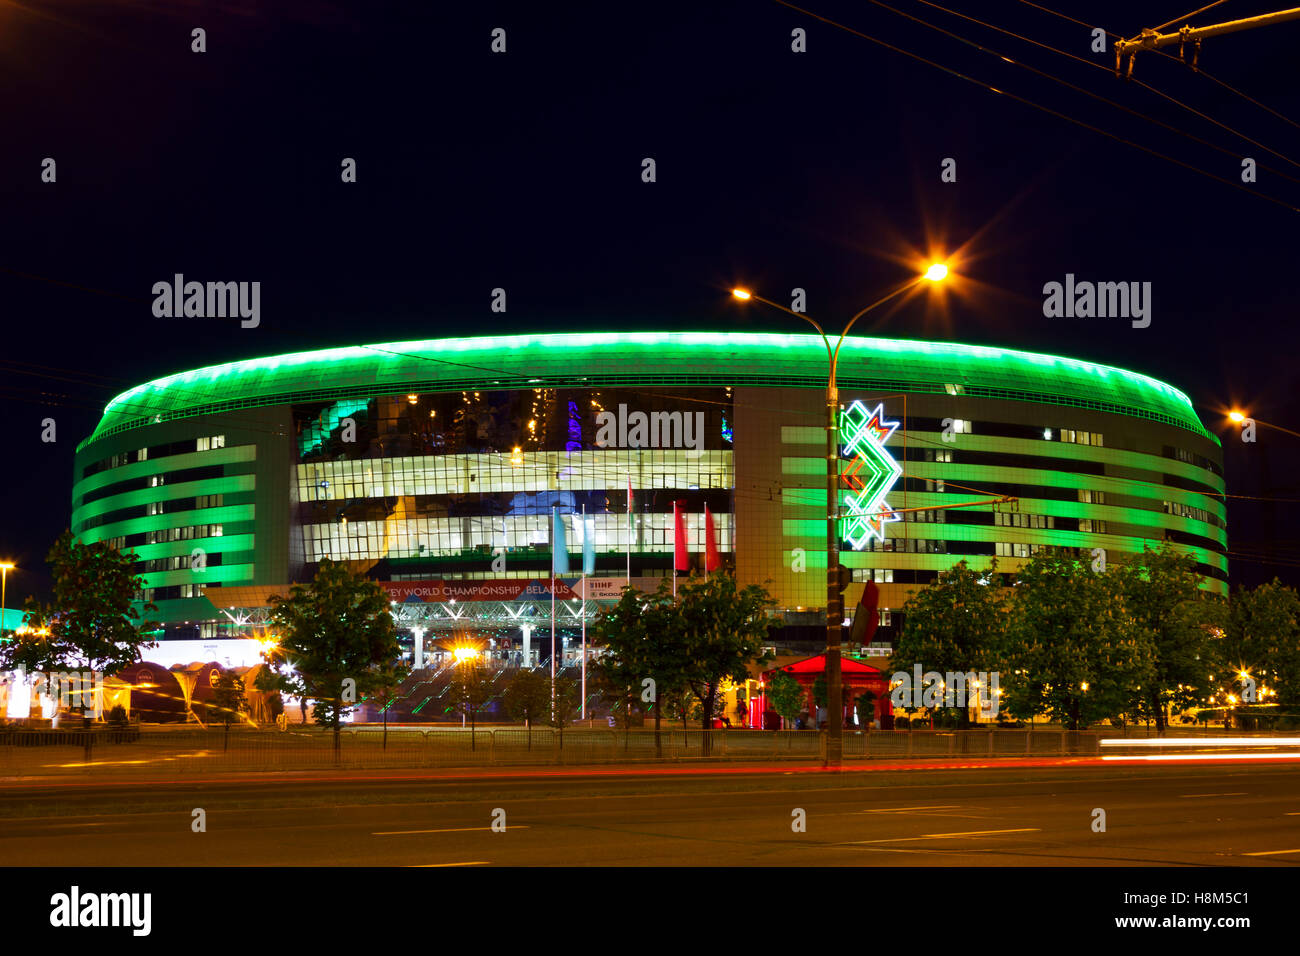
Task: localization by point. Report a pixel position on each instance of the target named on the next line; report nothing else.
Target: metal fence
(185, 750)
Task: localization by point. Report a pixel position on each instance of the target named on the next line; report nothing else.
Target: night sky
(522, 170)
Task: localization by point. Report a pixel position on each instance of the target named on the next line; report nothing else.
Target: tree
(471, 689)
(721, 628)
(1074, 649)
(527, 698)
(955, 624)
(638, 642)
(229, 701)
(1162, 591)
(93, 619)
(1263, 640)
(866, 708)
(786, 695)
(566, 704)
(386, 683)
(337, 643)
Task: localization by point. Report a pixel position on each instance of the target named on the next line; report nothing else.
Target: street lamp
(1238, 417)
(936, 273)
(5, 568)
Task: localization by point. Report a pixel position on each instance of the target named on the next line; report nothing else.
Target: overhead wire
(1096, 96)
(1199, 71)
(1038, 106)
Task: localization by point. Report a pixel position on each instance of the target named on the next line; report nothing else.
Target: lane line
(1270, 852)
(448, 830)
(1235, 793)
(430, 866)
(942, 836)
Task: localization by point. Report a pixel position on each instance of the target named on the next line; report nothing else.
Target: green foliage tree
(336, 637)
(471, 689)
(787, 696)
(1074, 649)
(384, 687)
(229, 702)
(956, 624)
(721, 628)
(528, 698)
(93, 621)
(866, 708)
(1162, 591)
(567, 703)
(637, 641)
(1262, 639)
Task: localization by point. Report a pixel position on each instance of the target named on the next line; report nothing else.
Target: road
(1198, 816)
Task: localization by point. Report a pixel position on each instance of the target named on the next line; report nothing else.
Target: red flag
(712, 560)
(681, 561)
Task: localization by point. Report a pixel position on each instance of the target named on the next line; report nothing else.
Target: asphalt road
(1203, 816)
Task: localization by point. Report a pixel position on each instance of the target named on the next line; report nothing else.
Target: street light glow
(1236, 416)
(937, 272)
(741, 294)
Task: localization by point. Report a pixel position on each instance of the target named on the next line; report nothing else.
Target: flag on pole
(559, 544)
(588, 545)
(630, 532)
(681, 560)
(712, 560)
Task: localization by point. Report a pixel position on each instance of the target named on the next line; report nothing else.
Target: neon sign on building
(871, 474)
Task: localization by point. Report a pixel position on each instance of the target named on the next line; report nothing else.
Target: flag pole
(554, 544)
(585, 532)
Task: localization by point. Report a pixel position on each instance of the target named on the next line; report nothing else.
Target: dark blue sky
(819, 170)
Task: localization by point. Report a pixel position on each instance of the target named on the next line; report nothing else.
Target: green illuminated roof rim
(608, 359)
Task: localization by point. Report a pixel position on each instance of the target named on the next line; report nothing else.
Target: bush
(902, 723)
(117, 718)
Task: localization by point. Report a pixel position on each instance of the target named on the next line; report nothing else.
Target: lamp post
(834, 620)
(1240, 418)
(5, 568)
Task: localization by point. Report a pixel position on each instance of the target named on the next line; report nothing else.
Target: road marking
(1235, 793)
(943, 836)
(428, 866)
(449, 830)
(910, 809)
(1270, 852)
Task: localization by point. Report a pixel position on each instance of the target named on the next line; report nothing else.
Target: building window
(1078, 437)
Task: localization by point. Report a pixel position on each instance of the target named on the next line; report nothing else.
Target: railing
(188, 749)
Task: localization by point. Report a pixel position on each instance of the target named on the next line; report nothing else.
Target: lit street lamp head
(937, 272)
(1237, 417)
(740, 294)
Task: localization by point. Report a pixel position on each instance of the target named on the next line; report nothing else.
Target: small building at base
(857, 678)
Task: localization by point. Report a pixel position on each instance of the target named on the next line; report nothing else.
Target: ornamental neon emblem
(871, 474)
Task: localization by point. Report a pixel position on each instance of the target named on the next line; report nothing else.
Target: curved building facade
(438, 463)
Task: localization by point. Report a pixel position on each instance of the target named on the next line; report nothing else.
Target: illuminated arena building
(435, 466)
